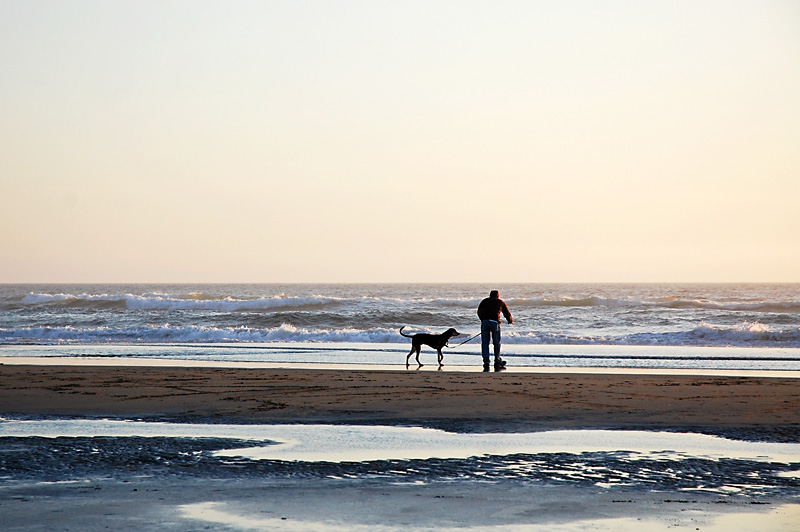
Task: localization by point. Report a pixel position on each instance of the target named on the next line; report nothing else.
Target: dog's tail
(401, 332)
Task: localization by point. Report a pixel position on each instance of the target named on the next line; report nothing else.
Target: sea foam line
(744, 335)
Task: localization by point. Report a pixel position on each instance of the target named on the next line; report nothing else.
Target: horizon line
(499, 283)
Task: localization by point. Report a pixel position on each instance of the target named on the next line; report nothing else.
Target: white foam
(196, 333)
(743, 335)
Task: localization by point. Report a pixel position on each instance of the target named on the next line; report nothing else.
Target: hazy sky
(439, 141)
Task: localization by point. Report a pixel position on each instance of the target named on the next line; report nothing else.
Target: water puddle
(59, 450)
(347, 443)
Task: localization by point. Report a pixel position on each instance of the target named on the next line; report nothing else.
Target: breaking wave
(195, 334)
(744, 335)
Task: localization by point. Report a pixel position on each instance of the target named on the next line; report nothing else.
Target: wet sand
(748, 408)
(459, 401)
(326, 506)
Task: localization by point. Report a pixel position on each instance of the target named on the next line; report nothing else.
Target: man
(489, 312)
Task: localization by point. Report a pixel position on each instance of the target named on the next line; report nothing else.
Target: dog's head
(451, 332)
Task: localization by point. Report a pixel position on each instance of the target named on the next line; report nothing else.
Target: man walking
(489, 313)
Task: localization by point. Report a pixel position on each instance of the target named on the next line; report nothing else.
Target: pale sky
(404, 141)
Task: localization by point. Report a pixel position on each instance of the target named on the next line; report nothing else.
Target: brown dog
(436, 341)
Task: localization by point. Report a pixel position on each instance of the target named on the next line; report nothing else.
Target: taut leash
(465, 341)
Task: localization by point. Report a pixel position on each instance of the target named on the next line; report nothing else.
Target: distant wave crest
(201, 302)
(789, 307)
(191, 302)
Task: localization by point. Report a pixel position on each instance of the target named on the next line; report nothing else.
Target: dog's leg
(409, 355)
(419, 348)
(441, 356)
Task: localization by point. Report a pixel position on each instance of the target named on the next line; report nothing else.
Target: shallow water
(57, 450)
(358, 443)
(765, 361)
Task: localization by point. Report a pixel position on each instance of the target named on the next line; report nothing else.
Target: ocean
(710, 326)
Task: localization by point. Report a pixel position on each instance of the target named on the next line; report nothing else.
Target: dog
(436, 341)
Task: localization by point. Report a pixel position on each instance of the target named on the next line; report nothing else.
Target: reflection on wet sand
(780, 519)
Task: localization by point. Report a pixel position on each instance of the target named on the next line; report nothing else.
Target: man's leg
(486, 332)
(496, 340)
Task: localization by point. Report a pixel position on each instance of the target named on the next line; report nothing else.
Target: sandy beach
(505, 401)
(185, 496)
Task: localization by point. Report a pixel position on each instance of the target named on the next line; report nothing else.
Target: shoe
(499, 363)
(485, 366)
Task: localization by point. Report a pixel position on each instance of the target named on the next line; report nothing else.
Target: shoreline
(113, 361)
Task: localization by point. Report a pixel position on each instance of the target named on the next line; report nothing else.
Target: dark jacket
(491, 307)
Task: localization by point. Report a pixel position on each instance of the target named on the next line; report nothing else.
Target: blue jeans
(490, 327)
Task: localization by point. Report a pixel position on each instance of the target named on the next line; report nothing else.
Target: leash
(464, 342)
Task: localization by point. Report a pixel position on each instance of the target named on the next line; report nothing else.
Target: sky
(402, 141)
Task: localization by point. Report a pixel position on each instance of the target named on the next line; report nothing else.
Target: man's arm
(507, 314)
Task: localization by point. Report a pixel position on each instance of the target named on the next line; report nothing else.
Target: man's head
(494, 293)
